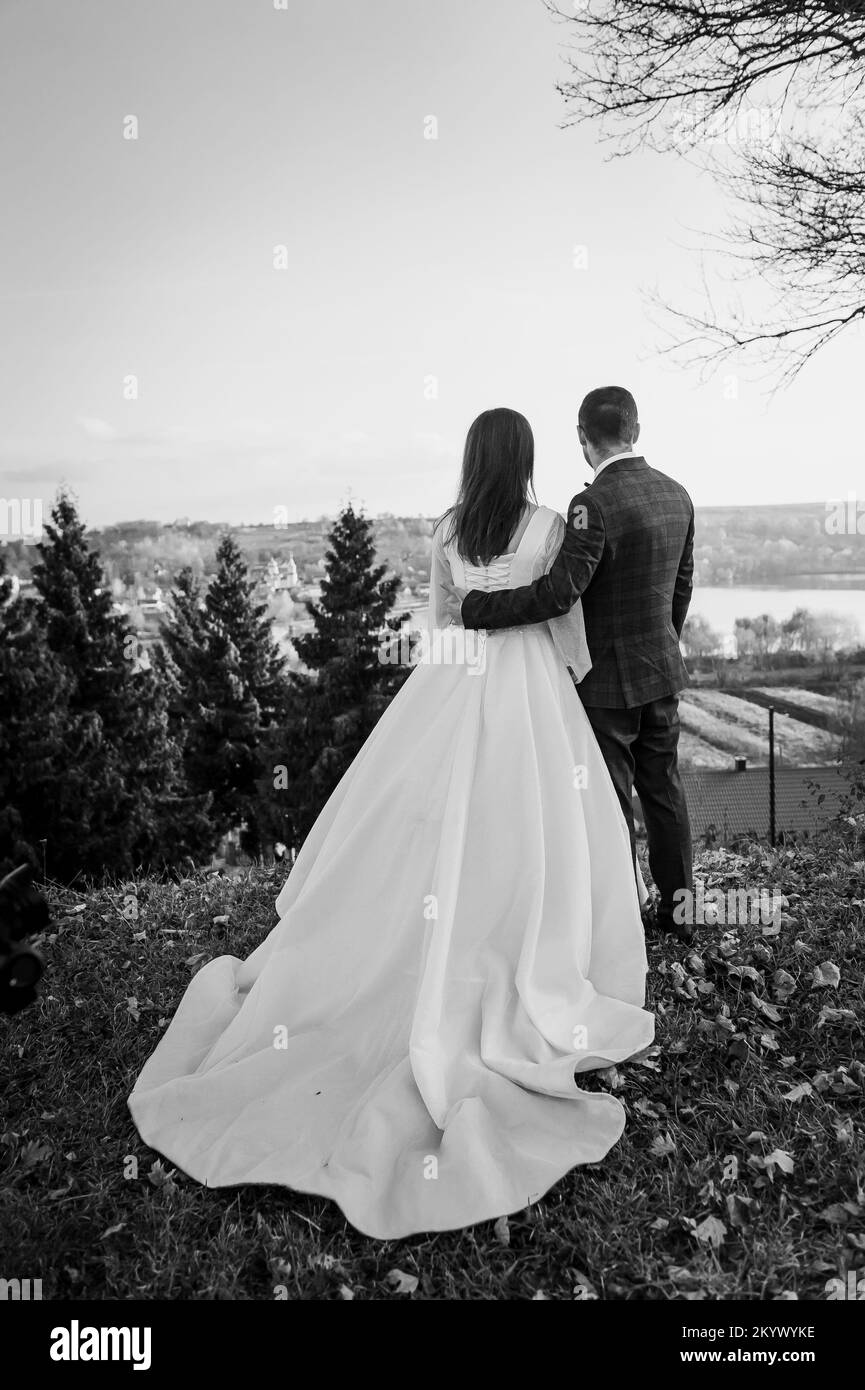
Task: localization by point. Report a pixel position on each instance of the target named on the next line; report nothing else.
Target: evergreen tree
(233, 617)
(119, 778)
(183, 661)
(335, 708)
(180, 661)
(34, 731)
(230, 689)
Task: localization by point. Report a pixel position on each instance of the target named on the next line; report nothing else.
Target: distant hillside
(734, 545)
(775, 545)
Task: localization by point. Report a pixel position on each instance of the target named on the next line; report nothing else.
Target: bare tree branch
(771, 95)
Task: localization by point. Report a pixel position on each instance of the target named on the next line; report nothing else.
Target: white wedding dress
(460, 935)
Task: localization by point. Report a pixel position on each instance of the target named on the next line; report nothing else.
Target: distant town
(789, 546)
(286, 564)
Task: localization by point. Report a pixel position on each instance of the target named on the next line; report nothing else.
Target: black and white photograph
(432, 671)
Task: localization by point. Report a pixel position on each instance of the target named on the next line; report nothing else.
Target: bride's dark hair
(496, 481)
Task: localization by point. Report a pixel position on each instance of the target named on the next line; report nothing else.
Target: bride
(459, 939)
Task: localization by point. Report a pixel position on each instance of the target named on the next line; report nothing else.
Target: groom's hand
(454, 603)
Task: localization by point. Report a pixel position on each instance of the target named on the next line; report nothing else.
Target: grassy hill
(740, 1174)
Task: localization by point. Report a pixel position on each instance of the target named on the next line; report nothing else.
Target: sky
(163, 360)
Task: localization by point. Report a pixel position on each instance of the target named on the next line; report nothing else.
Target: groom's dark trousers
(628, 554)
(640, 749)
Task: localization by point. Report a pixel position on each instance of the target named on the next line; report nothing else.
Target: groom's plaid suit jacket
(628, 553)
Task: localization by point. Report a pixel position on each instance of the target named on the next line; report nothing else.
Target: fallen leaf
(766, 1009)
(778, 1158)
(502, 1231)
(400, 1282)
(830, 1015)
(610, 1077)
(323, 1262)
(662, 1144)
(842, 1084)
(826, 976)
(711, 1232)
(161, 1178)
(835, 1215)
(745, 972)
(645, 1107)
(33, 1153)
(799, 1092)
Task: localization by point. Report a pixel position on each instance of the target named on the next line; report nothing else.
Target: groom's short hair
(609, 416)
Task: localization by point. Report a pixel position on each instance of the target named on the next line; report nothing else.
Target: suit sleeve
(553, 593)
(684, 580)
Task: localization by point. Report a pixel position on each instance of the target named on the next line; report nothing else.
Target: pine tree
(120, 774)
(230, 689)
(179, 661)
(334, 709)
(34, 731)
(183, 662)
(234, 617)
(356, 601)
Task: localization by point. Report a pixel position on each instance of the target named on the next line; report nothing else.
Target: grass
(738, 726)
(695, 753)
(828, 705)
(740, 1174)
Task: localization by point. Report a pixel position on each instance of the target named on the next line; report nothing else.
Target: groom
(628, 553)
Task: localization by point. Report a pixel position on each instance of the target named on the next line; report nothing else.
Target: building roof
(724, 805)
